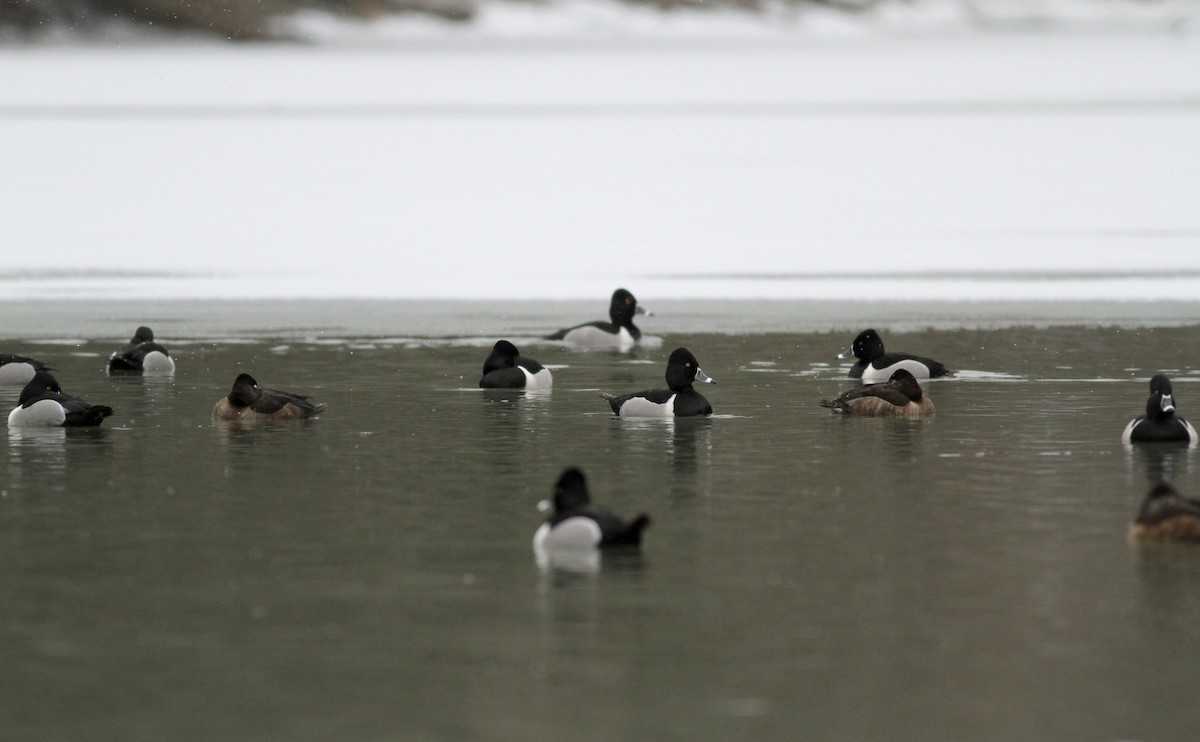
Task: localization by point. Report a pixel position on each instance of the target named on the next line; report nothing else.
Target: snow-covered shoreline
(899, 166)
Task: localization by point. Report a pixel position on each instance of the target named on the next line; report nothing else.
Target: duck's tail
(613, 401)
(632, 533)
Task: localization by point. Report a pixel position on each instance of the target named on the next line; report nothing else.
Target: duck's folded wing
(657, 396)
(81, 412)
(503, 378)
(888, 392)
(273, 400)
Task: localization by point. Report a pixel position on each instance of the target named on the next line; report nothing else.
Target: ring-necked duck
(18, 369)
(874, 364)
(1160, 424)
(506, 368)
(575, 523)
(619, 332)
(246, 401)
(1166, 514)
(142, 355)
(680, 400)
(901, 396)
(43, 403)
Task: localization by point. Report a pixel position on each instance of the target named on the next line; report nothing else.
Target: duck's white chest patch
(16, 373)
(46, 413)
(642, 407)
(158, 364)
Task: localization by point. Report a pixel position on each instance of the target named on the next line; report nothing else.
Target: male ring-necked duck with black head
(680, 400)
(43, 404)
(900, 396)
(875, 364)
(506, 368)
(141, 355)
(1166, 514)
(247, 401)
(575, 522)
(1160, 424)
(19, 369)
(619, 332)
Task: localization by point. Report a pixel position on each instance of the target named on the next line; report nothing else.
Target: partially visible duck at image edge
(43, 404)
(1165, 514)
(19, 369)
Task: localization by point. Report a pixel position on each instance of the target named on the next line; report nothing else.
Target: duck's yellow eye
(687, 365)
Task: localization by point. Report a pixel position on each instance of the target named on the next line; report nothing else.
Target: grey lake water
(368, 575)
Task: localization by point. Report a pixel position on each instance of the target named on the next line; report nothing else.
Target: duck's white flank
(641, 407)
(872, 375)
(45, 413)
(541, 380)
(16, 373)
(572, 533)
(157, 363)
(594, 338)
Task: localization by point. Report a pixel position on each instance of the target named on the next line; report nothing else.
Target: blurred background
(268, 19)
(791, 149)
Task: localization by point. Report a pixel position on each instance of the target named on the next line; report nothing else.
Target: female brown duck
(247, 401)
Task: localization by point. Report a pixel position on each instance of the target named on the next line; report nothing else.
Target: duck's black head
(245, 391)
(683, 369)
(1161, 404)
(623, 308)
(866, 347)
(143, 335)
(571, 491)
(504, 355)
(41, 383)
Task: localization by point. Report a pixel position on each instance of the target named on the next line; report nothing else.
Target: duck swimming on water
(247, 401)
(900, 396)
(618, 333)
(875, 364)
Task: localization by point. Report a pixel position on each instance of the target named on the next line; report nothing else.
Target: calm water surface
(368, 575)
